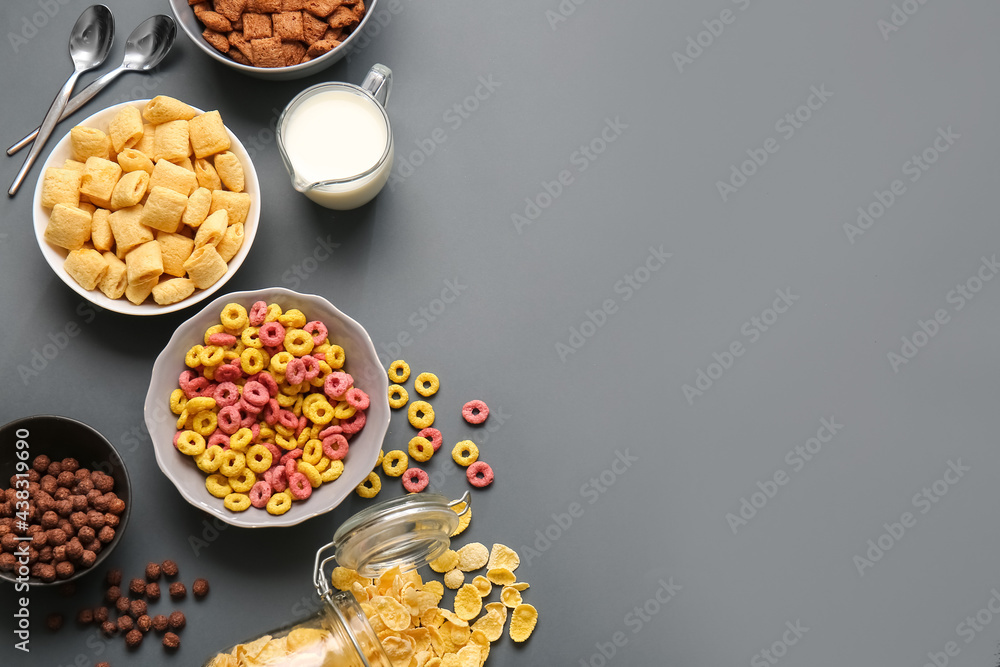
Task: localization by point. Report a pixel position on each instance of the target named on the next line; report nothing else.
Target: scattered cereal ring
(299, 486)
(433, 435)
(190, 443)
(271, 333)
(233, 463)
(237, 502)
(251, 361)
(293, 318)
(310, 472)
(312, 452)
(335, 356)
(295, 372)
(241, 439)
(191, 358)
(249, 338)
(277, 478)
(228, 419)
(204, 422)
(370, 487)
(259, 459)
(357, 398)
(334, 471)
(218, 439)
(337, 384)
(279, 361)
(335, 447)
(420, 449)
(465, 453)
(222, 339)
(394, 463)
(218, 485)
(399, 371)
(318, 411)
(210, 459)
(397, 396)
(213, 355)
(475, 412)
(415, 480)
(177, 401)
(381, 455)
(257, 313)
(298, 342)
(273, 312)
(279, 503)
(226, 394)
(420, 414)
(480, 474)
(234, 317)
(229, 371)
(353, 424)
(427, 384)
(290, 456)
(244, 481)
(260, 494)
(318, 331)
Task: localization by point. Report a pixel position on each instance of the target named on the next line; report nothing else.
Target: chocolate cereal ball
(65, 569)
(133, 638)
(109, 629)
(125, 623)
(122, 605)
(100, 614)
(169, 568)
(160, 622)
(200, 588)
(85, 616)
(153, 572)
(114, 577)
(144, 623)
(171, 641)
(113, 593)
(137, 608)
(153, 591)
(137, 587)
(178, 591)
(177, 621)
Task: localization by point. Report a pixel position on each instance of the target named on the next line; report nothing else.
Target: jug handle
(378, 82)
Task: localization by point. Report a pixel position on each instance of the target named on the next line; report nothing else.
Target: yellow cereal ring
(241, 439)
(279, 362)
(311, 399)
(190, 443)
(312, 452)
(284, 400)
(249, 338)
(399, 371)
(333, 472)
(210, 459)
(395, 463)
(370, 487)
(298, 342)
(279, 503)
(233, 463)
(420, 414)
(465, 453)
(237, 502)
(234, 317)
(397, 396)
(178, 399)
(266, 432)
(318, 412)
(182, 419)
(310, 472)
(273, 312)
(427, 384)
(335, 357)
(297, 407)
(200, 403)
(243, 482)
(293, 318)
(232, 355)
(303, 437)
(218, 485)
(191, 359)
(211, 355)
(285, 443)
(205, 422)
(212, 330)
(209, 372)
(343, 410)
(420, 449)
(252, 361)
(322, 464)
(381, 455)
(259, 458)
(284, 431)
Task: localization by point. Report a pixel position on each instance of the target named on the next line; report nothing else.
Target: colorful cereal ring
(299, 485)
(357, 398)
(433, 435)
(415, 480)
(260, 494)
(480, 474)
(475, 412)
(335, 446)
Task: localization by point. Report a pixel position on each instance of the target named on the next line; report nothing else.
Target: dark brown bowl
(59, 438)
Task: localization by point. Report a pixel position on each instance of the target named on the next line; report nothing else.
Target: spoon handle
(45, 131)
(81, 98)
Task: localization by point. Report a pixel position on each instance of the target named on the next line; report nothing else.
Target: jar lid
(408, 532)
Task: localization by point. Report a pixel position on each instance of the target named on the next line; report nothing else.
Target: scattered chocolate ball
(177, 591)
(137, 587)
(64, 569)
(153, 591)
(85, 616)
(109, 629)
(54, 622)
(200, 588)
(125, 623)
(177, 620)
(101, 614)
(137, 608)
(41, 463)
(133, 638)
(171, 641)
(103, 664)
(153, 572)
(144, 623)
(122, 604)
(160, 622)
(112, 593)
(169, 568)
(106, 534)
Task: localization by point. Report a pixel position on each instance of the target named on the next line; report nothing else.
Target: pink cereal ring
(218, 438)
(177, 436)
(335, 447)
(185, 379)
(271, 333)
(258, 311)
(274, 349)
(196, 387)
(320, 356)
(222, 339)
(260, 494)
(318, 331)
(290, 467)
(269, 382)
(312, 366)
(330, 430)
(295, 371)
(256, 394)
(354, 423)
(480, 474)
(226, 394)
(475, 412)
(357, 398)
(415, 480)
(299, 485)
(288, 419)
(303, 422)
(228, 373)
(275, 453)
(290, 456)
(433, 435)
(254, 430)
(270, 412)
(229, 419)
(336, 384)
(278, 479)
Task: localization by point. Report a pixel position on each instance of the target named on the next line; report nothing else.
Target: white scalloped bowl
(362, 363)
(56, 256)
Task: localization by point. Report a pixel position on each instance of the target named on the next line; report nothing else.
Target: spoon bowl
(149, 43)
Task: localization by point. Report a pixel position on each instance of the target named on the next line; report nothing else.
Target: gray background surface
(564, 419)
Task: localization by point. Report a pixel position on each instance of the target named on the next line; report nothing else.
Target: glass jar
(406, 532)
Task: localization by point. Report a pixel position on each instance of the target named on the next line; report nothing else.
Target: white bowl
(362, 363)
(56, 256)
(193, 28)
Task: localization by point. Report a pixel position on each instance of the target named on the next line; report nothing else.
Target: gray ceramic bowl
(59, 438)
(193, 28)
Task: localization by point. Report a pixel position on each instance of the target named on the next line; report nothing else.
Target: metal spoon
(145, 49)
(89, 44)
